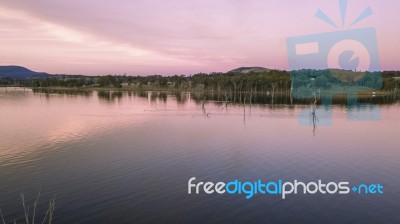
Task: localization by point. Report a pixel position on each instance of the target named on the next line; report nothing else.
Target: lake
(126, 157)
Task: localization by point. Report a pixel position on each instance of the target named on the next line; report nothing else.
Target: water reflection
(70, 92)
(127, 156)
(110, 96)
(318, 109)
(222, 98)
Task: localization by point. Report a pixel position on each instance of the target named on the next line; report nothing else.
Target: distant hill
(250, 69)
(19, 72)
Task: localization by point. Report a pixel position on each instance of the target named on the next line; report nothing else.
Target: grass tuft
(48, 218)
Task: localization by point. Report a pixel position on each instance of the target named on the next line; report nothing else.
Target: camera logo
(354, 50)
(339, 62)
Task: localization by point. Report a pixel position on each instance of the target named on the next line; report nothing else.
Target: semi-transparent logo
(282, 188)
(344, 62)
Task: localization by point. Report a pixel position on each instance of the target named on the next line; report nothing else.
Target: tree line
(234, 82)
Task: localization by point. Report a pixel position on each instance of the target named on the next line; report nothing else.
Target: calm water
(126, 157)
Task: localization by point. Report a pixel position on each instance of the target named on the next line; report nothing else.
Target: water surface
(126, 157)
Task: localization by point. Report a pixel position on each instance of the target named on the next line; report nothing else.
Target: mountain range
(250, 69)
(13, 71)
(19, 72)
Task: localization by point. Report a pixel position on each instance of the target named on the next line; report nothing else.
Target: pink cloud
(174, 37)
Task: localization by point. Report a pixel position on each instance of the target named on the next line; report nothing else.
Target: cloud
(153, 36)
(193, 36)
(27, 38)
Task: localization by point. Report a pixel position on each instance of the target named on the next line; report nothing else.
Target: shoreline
(198, 90)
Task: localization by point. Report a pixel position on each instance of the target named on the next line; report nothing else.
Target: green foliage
(109, 81)
(234, 82)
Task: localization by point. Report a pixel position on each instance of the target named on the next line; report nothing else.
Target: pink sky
(141, 37)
